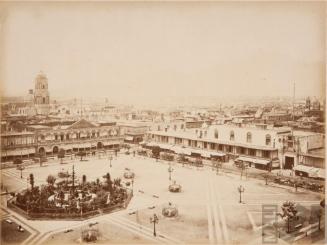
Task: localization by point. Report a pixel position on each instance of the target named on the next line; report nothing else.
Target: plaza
(209, 209)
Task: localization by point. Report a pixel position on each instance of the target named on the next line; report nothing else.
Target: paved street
(209, 208)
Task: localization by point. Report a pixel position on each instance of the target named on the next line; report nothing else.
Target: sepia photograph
(162, 122)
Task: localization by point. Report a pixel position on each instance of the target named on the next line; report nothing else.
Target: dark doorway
(99, 145)
(289, 163)
(55, 150)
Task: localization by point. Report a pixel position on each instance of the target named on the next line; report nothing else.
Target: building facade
(79, 136)
(253, 144)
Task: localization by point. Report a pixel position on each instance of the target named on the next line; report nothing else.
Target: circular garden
(64, 196)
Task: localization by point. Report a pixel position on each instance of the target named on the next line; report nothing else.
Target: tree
(109, 183)
(18, 161)
(61, 155)
(198, 162)
(84, 179)
(98, 182)
(117, 182)
(51, 179)
(319, 214)
(181, 159)
(61, 197)
(32, 181)
(289, 212)
(156, 152)
(81, 154)
(242, 167)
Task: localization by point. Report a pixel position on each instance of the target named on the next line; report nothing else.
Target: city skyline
(143, 52)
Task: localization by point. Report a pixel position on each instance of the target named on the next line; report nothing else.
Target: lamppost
(217, 167)
(154, 220)
(266, 178)
(170, 170)
(132, 185)
(240, 190)
(110, 159)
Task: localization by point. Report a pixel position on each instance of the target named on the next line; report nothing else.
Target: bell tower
(41, 94)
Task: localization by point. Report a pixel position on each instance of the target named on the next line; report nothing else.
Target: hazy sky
(139, 51)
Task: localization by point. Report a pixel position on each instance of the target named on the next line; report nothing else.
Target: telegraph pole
(293, 101)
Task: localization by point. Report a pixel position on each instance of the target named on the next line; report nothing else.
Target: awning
(129, 138)
(253, 160)
(66, 147)
(312, 171)
(306, 169)
(18, 152)
(181, 150)
(321, 173)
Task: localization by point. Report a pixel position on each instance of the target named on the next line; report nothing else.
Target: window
(182, 126)
(248, 137)
(205, 145)
(220, 147)
(67, 136)
(56, 137)
(231, 135)
(175, 127)
(251, 152)
(212, 146)
(242, 150)
(266, 154)
(43, 100)
(268, 139)
(216, 133)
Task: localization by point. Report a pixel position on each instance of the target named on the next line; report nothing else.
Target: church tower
(41, 94)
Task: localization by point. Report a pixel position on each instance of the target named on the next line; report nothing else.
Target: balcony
(81, 140)
(17, 146)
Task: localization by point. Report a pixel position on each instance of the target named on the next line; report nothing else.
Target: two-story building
(258, 145)
(45, 140)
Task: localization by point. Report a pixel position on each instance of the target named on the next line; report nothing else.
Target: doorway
(289, 162)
